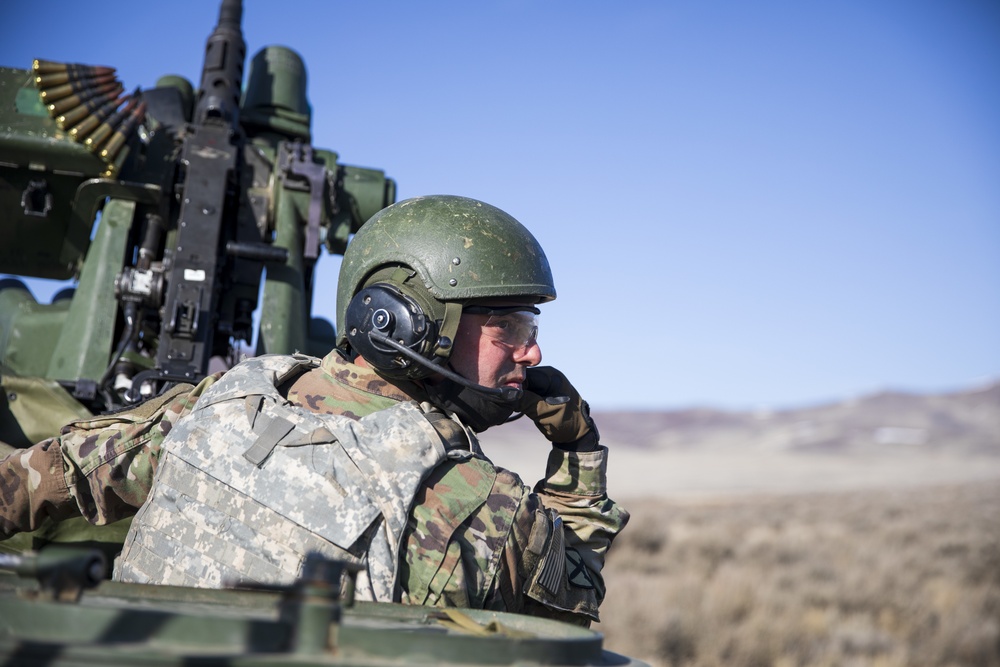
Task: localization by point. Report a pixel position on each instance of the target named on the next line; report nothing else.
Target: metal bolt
(456, 261)
(452, 282)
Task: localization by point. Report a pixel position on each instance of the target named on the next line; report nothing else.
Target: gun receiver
(211, 154)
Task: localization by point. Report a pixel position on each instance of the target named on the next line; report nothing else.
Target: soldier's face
(495, 352)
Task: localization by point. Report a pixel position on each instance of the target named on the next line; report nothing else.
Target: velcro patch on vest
(265, 443)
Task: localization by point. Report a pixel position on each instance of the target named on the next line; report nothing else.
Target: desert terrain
(862, 533)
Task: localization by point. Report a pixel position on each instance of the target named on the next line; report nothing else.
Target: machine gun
(203, 200)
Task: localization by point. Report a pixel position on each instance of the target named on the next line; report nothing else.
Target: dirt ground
(692, 475)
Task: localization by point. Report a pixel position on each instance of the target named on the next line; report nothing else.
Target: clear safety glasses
(516, 326)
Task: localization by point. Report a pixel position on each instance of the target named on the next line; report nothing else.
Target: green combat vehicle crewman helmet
(413, 265)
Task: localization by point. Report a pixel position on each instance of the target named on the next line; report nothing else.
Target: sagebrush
(904, 577)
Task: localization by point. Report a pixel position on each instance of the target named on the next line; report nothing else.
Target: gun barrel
(222, 73)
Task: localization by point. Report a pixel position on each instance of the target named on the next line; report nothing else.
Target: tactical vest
(248, 484)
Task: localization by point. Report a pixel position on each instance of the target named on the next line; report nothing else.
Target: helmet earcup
(383, 308)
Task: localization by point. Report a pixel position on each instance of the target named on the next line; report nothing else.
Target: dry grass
(882, 578)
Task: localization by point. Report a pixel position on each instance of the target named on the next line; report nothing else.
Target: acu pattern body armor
(249, 484)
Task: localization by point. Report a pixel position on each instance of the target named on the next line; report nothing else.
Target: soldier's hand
(557, 409)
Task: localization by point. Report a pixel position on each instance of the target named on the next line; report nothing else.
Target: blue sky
(745, 205)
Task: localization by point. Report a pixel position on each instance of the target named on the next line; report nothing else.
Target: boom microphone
(502, 394)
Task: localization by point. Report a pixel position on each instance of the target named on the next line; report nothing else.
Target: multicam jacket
(476, 536)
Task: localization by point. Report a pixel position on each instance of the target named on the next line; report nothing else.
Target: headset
(387, 325)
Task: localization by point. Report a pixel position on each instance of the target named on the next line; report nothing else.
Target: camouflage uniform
(476, 536)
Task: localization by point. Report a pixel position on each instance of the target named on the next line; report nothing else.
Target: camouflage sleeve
(32, 487)
(560, 537)
(101, 468)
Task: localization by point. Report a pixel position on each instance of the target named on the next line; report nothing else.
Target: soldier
(369, 454)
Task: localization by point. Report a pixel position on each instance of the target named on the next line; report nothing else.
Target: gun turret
(197, 191)
(222, 73)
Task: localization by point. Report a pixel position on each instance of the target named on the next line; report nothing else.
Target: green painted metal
(303, 624)
(46, 241)
(39, 407)
(283, 324)
(84, 346)
(28, 330)
(275, 95)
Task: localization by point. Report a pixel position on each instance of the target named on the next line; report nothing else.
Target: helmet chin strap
(495, 394)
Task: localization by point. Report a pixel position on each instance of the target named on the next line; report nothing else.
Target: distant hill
(966, 422)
